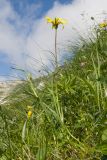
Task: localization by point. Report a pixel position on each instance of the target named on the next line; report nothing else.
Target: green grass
(69, 112)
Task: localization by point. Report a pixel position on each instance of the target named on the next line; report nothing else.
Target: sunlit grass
(65, 118)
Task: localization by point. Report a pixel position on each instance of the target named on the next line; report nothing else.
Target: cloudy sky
(26, 40)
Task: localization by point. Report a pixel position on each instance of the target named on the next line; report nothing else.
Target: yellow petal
(62, 21)
(49, 20)
(103, 24)
(56, 22)
(29, 114)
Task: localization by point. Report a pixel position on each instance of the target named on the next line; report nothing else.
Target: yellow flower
(29, 107)
(56, 22)
(103, 25)
(29, 114)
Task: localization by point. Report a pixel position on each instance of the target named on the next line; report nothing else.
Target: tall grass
(68, 113)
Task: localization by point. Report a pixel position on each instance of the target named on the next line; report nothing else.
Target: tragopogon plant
(55, 24)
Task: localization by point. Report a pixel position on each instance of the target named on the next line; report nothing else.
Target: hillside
(65, 118)
(6, 87)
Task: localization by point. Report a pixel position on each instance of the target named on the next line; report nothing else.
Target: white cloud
(77, 25)
(15, 42)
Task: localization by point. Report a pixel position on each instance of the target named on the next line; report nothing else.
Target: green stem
(79, 144)
(97, 74)
(56, 55)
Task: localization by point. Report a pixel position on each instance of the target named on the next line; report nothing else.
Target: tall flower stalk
(56, 55)
(55, 24)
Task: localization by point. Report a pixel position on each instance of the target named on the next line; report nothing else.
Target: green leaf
(24, 131)
(103, 149)
(104, 135)
(41, 154)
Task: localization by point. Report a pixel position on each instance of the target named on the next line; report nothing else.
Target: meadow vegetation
(65, 118)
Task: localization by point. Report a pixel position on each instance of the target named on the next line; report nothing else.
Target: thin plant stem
(56, 54)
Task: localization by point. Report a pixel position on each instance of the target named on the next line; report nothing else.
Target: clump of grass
(66, 117)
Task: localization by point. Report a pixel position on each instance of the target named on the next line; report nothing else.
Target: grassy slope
(69, 113)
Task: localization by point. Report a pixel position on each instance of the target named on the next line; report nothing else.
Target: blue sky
(45, 5)
(4, 65)
(21, 8)
(26, 39)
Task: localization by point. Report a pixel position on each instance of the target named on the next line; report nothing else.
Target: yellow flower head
(29, 107)
(103, 25)
(56, 22)
(29, 114)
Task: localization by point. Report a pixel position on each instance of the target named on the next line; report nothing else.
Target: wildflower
(103, 25)
(29, 114)
(56, 22)
(29, 107)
